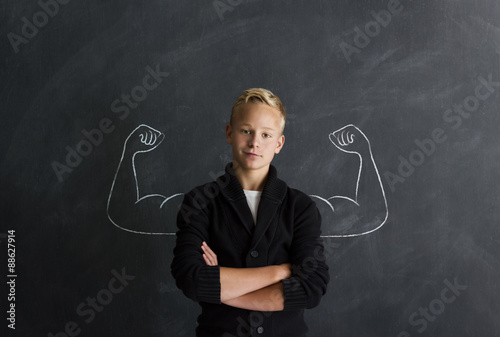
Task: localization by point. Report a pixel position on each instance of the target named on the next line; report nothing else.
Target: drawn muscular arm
(367, 210)
(126, 208)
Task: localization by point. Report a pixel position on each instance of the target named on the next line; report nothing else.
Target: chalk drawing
(149, 139)
(350, 139)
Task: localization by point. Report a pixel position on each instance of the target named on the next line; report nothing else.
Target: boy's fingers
(207, 249)
(208, 261)
(209, 256)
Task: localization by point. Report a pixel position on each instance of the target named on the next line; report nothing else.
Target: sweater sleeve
(310, 275)
(199, 282)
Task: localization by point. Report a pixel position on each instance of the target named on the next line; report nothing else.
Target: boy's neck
(252, 180)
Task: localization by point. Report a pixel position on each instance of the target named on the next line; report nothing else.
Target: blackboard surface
(419, 79)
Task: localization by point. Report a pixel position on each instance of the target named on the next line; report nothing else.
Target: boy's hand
(285, 271)
(209, 256)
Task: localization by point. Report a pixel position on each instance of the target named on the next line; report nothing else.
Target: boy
(248, 246)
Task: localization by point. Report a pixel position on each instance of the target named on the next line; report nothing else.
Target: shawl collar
(272, 196)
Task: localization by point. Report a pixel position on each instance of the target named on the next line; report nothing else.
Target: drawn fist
(143, 139)
(350, 139)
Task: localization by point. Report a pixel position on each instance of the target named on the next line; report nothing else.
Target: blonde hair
(259, 95)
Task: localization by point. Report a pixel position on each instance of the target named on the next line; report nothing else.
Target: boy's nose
(253, 142)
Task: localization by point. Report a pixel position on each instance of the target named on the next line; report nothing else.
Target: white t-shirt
(253, 199)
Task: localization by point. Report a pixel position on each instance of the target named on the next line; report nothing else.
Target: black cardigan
(287, 230)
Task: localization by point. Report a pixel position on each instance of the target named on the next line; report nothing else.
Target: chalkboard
(416, 83)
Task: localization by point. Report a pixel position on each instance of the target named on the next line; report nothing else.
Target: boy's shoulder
(213, 189)
(299, 196)
(292, 194)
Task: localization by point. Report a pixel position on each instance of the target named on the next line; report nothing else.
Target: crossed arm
(197, 271)
(250, 288)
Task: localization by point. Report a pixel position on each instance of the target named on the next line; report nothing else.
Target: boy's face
(255, 135)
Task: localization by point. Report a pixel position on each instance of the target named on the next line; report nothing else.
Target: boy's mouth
(252, 154)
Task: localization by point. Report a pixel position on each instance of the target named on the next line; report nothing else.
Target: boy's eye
(245, 131)
(266, 135)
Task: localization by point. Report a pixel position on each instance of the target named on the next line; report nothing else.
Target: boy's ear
(281, 142)
(229, 134)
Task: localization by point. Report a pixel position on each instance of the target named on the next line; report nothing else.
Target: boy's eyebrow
(264, 127)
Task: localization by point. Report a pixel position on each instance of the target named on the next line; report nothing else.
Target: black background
(443, 220)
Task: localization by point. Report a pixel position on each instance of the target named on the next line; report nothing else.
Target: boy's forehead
(248, 111)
